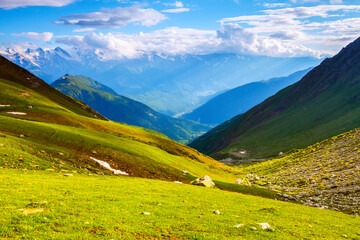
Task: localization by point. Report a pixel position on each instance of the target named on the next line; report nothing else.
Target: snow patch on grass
(108, 167)
(17, 113)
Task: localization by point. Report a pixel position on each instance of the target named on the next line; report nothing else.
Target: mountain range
(324, 103)
(238, 100)
(170, 85)
(122, 109)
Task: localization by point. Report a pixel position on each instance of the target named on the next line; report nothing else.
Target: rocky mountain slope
(122, 109)
(239, 100)
(324, 103)
(324, 175)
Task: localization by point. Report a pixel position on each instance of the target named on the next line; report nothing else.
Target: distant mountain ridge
(123, 109)
(238, 100)
(324, 103)
(169, 84)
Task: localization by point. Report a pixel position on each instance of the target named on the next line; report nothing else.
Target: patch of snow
(17, 113)
(5, 105)
(108, 167)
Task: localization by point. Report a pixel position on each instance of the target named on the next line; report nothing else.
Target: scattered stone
(30, 107)
(32, 211)
(100, 173)
(281, 153)
(266, 226)
(239, 181)
(1, 145)
(146, 213)
(185, 172)
(94, 152)
(217, 212)
(205, 181)
(253, 228)
(87, 223)
(200, 216)
(239, 225)
(38, 203)
(178, 182)
(21, 135)
(68, 175)
(61, 153)
(185, 201)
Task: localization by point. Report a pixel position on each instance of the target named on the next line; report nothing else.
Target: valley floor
(48, 205)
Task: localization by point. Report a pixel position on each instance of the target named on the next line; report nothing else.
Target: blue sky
(125, 28)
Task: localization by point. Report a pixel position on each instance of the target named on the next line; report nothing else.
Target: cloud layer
(45, 36)
(10, 4)
(114, 18)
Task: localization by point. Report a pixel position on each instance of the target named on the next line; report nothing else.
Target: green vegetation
(108, 207)
(122, 109)
(323, 104)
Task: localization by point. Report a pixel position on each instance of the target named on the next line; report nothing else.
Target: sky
(129, 29)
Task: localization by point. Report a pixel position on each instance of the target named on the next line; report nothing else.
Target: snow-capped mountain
(169, 84)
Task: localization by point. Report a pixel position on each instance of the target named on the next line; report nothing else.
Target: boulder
(205, 181)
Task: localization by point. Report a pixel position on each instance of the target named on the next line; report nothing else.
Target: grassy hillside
(239, 100)
(122, 109)
(51, 128)
(47, 205)
(323, 104)
(326, 174)
(14, 73)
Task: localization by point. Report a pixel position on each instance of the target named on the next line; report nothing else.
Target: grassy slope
(76, 208)
(138, 151)
(123, 109)
(14, 73)
(323, 104)
(326, 174)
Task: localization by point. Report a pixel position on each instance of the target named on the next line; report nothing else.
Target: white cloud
(114, 18)
(45, 36)
(176, 10)
(314, 33)
(241, 40)
(177, 4)
(336, 2)
(10, 4)
(231, 38)
(274, 5)
(84, 30)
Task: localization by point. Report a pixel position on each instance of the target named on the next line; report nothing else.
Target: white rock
(146, 213)
(239, 225)
(266, 226)
(217, 212)
(239, 181)
(178, 182)
(205, 181)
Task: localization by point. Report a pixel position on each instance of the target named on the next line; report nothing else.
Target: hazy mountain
(238, 100)
(171, 85)
(122, 109)
(322, 104)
